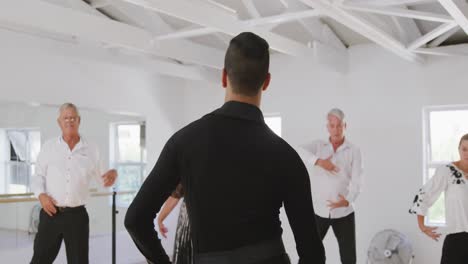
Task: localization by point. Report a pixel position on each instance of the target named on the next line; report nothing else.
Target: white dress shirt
(65, 174)
(327, 186)
(450, 180)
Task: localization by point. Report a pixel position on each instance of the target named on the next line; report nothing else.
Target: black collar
(240, 110)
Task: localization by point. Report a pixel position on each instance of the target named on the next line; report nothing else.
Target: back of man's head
(246, 63)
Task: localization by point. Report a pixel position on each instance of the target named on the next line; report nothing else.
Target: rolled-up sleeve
(308, 152)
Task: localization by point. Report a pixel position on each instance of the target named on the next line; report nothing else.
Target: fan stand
(410, 262)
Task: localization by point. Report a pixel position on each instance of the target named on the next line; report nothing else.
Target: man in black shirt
(236, 174)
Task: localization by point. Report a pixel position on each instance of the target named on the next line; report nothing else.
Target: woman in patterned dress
(183, 253)
(452, 180)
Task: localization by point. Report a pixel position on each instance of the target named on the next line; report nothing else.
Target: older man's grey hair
(338, 113)
(65, 106)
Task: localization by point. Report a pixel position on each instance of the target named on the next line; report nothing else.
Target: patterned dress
(453, 183)
(183, 253)
(447, 179)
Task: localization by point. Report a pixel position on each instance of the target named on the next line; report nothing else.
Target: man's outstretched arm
(140, 216)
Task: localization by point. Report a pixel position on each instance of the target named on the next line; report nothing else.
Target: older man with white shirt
(65, 166)
(336, 178)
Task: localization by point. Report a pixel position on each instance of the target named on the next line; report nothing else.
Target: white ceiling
(195, 33)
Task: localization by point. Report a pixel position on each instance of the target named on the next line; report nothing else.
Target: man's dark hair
(246, 63)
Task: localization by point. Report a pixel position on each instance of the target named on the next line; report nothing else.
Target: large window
(19, 150)
(128, 156)
(443, 127)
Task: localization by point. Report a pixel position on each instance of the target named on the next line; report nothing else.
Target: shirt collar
(82, 143)
(343, 146)
(240, 110)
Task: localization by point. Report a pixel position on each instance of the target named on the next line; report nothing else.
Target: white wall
(51, 72)
(383, 97)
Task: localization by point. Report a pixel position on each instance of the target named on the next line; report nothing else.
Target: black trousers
(280, 259)
(345, 232)
(267, 252)
(72, 227)
(455, 250)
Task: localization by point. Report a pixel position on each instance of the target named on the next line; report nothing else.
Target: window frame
(114, 146)
(9, 163)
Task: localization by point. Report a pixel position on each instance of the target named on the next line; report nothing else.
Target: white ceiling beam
(165, 29)
(390, 2)
(452, 50)
(153, 22)
(399, 12)
(100, 3)
(330, 38)
(30, 42)
(187, 33)
(84, 7)
(402, 31)
(255, 14)
(208, 17)
(277, 19)
(44, 16)
(283, 18)
(318, 30)
(364, 28)
(328, 47)
(408, 30)
(405, 29)
(143, 18)
(456, 12)
(440, 39)
(156, 25)
(251, 9)
(433, 51)
(222, 8)
(432, 35)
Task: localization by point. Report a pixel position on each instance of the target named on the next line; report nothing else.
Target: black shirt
(236, 174)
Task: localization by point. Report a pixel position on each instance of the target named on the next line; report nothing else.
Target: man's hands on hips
(342, 202)
(48, 204)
